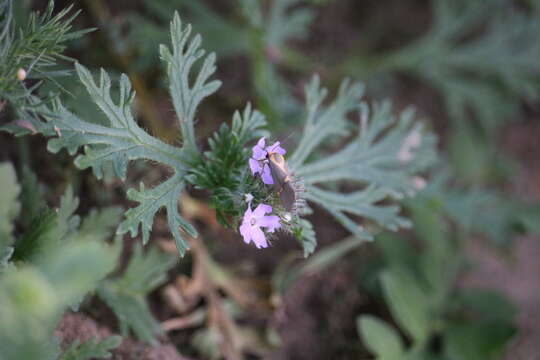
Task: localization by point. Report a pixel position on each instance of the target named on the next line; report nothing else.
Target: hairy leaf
(381, 162)
(121, 140)
(186, 95)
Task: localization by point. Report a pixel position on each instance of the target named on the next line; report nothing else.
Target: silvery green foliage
(126, 294)
(45, 271)
(122, 140)
(380, 161)
(186, 97)
(481, 54)
(285, 22)
(482, 210)
(59, 248)
(216, 29)
(419, 288)
(262, 36)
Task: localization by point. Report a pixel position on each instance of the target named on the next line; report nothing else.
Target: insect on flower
(270, 163)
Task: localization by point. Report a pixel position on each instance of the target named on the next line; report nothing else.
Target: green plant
(419, 290)
(386, 154)
(260, 34)
(31, 51)
(45, 271)
(126, 294)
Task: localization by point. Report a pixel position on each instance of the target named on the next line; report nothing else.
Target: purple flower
(258, 163)
(255, 220)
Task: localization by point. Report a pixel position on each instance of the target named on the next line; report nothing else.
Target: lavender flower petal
(267, 175)
(258, 238)
(261, 210)
(245, 231)
(255, 166)
(275, 148)
(259, 153)
(271, 223)
(253, 221)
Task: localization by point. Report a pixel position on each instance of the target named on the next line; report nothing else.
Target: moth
(285, 184)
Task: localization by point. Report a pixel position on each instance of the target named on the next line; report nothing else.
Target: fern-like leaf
(381, 161)
(119, 142)
(186, 97)
(165, 195)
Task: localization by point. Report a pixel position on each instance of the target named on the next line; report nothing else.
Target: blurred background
(462, 283)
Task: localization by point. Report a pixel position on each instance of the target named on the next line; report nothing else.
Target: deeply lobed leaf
(187, 96)
(381, 162)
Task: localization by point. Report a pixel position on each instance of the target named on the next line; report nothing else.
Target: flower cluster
(254, 221)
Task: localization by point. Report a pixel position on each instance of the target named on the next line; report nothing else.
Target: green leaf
(67, 222)
(439, 261)
(380, 338)
(248, 125)
(117, 143)
(33, 296)
(481, 210)
(122, 140)
(186, 97)
(28, 302)
(145, 272)
(408, 303)
(322, 123)
(477, 341)
(100, 224)
(40, 237)
(49, 230)
(78, 268)
(487, 305)
(286, 21)
(481, 55)
(381, 161)
(307, 237)
(9, 206)
(165, 195)
(222, 169)
(126, 295)
(91, 349)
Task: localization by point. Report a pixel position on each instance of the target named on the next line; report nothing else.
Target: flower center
(253, 221)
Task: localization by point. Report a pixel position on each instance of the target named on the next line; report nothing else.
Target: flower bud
(21, 74)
